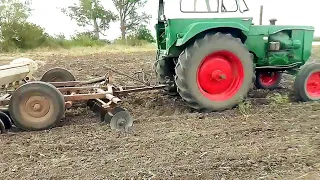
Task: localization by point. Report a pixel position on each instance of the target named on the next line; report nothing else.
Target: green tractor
(212, 61)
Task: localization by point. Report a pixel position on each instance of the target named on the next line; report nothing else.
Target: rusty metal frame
(102, 93)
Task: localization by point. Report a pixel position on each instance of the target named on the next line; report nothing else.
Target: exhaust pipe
(261, 15)
(273, 21)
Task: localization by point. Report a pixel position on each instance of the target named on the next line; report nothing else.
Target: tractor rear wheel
(307, 82)
(215, 73)
(165, 72)
(267, 80)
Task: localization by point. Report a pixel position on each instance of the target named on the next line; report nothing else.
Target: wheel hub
(220, 75)
(313, 85)
(121, 122)
(121, 119)
(35, 107)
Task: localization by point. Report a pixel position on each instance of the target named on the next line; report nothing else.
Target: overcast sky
(288, 12)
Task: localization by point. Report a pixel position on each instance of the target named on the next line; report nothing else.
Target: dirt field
(270, 137)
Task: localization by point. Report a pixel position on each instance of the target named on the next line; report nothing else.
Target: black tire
(190, 60)
(21, 113)
(274, 82)
(57, 75)
(300, 83)
(6, 120)
(165, 72)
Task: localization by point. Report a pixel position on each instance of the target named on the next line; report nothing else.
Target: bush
(86, 39)
(58, 42)
(131, 40)
(21, 36)
(316, 38)
(140, 37)
(143, 33)
(25, 36)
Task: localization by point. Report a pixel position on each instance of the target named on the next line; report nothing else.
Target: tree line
(18, 33)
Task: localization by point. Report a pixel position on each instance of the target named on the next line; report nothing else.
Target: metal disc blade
(108, 116)
(2, 127)
(121, 121)
(6, 120)
(102, 116)
(90, 103)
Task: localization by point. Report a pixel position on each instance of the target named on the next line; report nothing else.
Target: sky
(46, 13)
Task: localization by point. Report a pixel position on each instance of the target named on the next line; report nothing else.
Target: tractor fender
(194, 29)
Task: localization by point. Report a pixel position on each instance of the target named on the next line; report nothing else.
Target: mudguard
(196, 28)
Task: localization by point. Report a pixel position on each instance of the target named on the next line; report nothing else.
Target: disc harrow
(39, 104)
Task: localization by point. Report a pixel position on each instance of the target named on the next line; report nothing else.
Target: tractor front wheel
(214, 73)
(165, 73)
(307, 83)
(267, 80)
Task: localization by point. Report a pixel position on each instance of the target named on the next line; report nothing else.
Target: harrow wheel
(57, 75)
(118, 119)
(215, 73)
(267, 80)
(307, 82)
(36, 106)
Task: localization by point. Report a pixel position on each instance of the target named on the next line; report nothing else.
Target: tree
(91, 13)
(14, 10)
(25, 35)
(16, 32)
(143, 33)
(129, 18)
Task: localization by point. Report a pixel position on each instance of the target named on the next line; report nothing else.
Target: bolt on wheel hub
(218, 75)
(37, 107)
(121, 122)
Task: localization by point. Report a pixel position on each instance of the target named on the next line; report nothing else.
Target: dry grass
(41, 53)
(76, 51)
(316, 52)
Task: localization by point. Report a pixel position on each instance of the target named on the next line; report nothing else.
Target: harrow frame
(101, 95)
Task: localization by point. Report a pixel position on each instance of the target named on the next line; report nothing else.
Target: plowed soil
(271, 136)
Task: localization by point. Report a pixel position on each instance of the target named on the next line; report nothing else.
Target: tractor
(211, 59)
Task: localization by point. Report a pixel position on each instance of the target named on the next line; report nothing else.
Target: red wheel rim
(269, 78)
(220, 75)
(313, 85)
